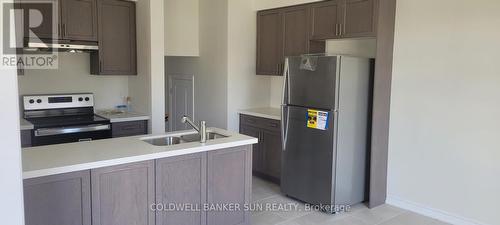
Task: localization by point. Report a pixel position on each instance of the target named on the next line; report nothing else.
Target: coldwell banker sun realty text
(256, 207)
(23, 23)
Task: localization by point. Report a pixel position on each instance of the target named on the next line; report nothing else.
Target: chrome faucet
(202, 129)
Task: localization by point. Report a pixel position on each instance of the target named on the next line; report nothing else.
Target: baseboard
(431, 212)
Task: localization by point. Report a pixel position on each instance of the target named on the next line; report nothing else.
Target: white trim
(431, 212)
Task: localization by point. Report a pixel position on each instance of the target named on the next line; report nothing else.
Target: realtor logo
(26, 28)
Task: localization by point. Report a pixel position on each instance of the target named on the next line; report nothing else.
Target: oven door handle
(70, 130)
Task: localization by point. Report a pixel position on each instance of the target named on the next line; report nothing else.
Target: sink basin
(173, 140)
(166, 141)
(196, 137)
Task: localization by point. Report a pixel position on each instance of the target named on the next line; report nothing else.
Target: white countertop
(122, 117)
(269, 113)
(26, 125)
(65, 158)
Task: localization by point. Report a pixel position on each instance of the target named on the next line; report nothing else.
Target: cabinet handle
(100, 66)
(337, 29)
(64, 29)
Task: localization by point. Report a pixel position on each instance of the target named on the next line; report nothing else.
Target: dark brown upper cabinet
(343, 19)
(325, 19)
(269, 42)
(302, 29)
(64, 20)
(296, 27)
(117, 39)
(49, 26)
(280, 33)
(79, 20)
(360, 18)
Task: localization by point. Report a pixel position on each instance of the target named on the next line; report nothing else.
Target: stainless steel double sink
(188, 138)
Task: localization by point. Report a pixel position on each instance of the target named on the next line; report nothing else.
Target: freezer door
(312, 88)
(308, 158)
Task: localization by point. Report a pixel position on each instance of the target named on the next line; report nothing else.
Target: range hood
(63, 46)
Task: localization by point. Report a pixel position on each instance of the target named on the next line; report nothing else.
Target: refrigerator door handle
(285, 95)
(284, 102)
(284, 125)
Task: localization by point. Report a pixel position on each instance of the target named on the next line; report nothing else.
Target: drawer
(132, 128)
(269, 124)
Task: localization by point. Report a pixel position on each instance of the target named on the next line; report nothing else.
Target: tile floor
(265, 192)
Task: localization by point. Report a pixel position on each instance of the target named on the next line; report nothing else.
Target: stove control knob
(87, 99)
(39, 101)
(80, 99)
(32, 101)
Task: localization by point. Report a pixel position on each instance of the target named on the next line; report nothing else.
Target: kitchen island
(131, 181)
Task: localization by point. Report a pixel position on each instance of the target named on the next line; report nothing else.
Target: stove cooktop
(65, 121)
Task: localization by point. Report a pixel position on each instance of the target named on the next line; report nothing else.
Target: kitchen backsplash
(73, 76)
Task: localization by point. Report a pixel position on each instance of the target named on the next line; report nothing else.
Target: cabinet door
(296, 30)
(26, 138)
(49, 25)
(117, 39)
(271, 147)
(123, 194)
(179, 181)
(229, 182)
(257, 156)
(58, 199)
(79, 20)
(269, 42)
(325, 19)
(360, 18)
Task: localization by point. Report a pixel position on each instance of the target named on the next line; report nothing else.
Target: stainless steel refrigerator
(325, 116)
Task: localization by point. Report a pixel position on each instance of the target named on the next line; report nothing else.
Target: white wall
(356, 47)
(444, 152)
(73, 76)
(212, 103)
(148, 88)
(182, 27)
(11, 191)
(269, 4)
(245, 89)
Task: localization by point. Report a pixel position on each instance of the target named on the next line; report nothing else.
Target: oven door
(59, 135)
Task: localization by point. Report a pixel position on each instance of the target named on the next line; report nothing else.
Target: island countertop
(65, 158)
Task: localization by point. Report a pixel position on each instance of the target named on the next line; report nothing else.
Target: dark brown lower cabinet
(58, 199)
(179, 181)
(130, 128)
(256, 148)
(229, 182)
(123, 194)
(271, 149)
(26, 138)
(267, 153)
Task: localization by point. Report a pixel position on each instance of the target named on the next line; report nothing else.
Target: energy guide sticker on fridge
(317, 119)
